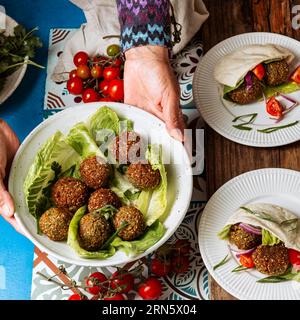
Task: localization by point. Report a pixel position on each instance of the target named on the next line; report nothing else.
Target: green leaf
(224, 233)
(285, 88)
(268, 239)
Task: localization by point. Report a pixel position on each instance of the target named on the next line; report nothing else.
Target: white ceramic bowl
(15, 78)
(179, 172)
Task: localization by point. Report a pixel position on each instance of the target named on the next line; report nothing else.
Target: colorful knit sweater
(144, 22)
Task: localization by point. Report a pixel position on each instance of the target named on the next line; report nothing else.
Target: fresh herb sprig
(273, 129)
(245, 124)
(262, 215)
(222, 262)
(240, 268)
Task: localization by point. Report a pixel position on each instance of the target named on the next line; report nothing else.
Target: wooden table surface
(225, 159)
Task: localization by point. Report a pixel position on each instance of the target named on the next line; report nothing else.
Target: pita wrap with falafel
(276, 223)
(232, 68)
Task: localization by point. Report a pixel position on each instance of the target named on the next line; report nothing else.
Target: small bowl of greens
(100, 185)
(17, 48)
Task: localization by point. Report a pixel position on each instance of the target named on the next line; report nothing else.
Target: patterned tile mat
(194, 283)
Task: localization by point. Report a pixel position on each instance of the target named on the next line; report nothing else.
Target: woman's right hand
(9, 144)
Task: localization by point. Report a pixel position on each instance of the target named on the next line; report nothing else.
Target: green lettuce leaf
(268, 239)
(147, 240)
(80, 139)
(224, 233)
(153, 203)
(285, 88)
(40, 173)
(73, 240)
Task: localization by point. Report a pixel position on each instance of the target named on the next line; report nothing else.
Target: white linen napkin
(102, 20)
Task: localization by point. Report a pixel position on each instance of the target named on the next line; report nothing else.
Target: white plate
(276, 186)
(13, 81)
(179, 176)
(219, 114)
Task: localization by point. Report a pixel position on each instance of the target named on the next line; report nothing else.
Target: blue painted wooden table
(23, 111)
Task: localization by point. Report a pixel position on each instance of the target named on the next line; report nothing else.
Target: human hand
(150, 84)
(9, 144)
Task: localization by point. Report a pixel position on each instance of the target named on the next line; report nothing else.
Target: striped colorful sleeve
(144, 22)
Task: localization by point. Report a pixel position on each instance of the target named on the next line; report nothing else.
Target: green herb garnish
(107, 211)
(273, 129)
(243, 126)
(262, 215)
(221, 263)
(114, 235)
(288, 222)
(240, 268)
(283, 278)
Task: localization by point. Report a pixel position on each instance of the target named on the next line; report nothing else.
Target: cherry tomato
(247, 261)
(111, 73)
(103, 87)
(151, 289)
(123, 281)
(80, 58)
(296, 75)
(274, 108)
(106, 99)
(96, 72)
(116, 89)
(294, 257)
(113, 50)
(76, 296)
(182, 246)
(83, 72)
(94, 281)
(160, 267)
(117, 63)
(116, 296)
(259, 71)
(90, 95)
(180, 264)
(75, 86)
(73, 74)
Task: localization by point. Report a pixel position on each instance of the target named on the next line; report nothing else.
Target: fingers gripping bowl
(163, 207)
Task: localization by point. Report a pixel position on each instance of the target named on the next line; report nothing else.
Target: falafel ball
(95, 172)
(277, 72)
(271, 260)
(242, 239)
(103, 197)
(142, 176)
(127, 147)
(242, 95)
(54, 223)
(69, 193)
(135, 219)
(94, 230)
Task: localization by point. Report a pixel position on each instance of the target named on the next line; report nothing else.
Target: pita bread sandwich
(248, 71)
(265, 237)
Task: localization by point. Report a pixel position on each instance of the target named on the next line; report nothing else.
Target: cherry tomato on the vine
(95, 283)
(124, 282)
(116, 89)
(83, 72)
(117, 63)
(75, 86)
(73, 74)
(103, 87)
(111, 73)
(151, 289)
(117, 296)
(96, 72)
(90, 95)
(76, 296)
(113, 50)
(80, 58)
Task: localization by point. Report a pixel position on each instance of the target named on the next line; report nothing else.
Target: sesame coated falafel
(69, 193)
(277, 72)
(101, 198)
(242, 239)
(54, 223)
(135, 219)
(142, 176)
(271, 260)
(94, 230)
(95, 172)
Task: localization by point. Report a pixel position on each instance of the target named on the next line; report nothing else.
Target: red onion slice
(239, 253)
(250, 229)
(249, 82)
(287, 98)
